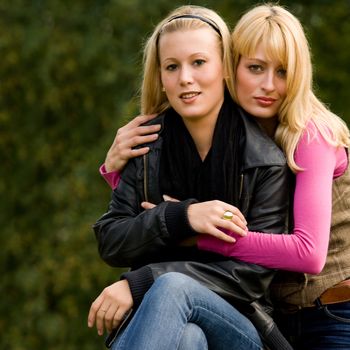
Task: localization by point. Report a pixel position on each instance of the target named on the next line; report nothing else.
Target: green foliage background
(69, 73)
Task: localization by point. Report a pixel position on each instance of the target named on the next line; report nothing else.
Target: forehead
(188, 42)
(268, 52)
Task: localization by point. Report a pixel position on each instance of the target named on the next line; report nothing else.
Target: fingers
(235, 225)
(134, 128)
(208, 218)
(235, 211)
(97, 313)
(215, 232)
(118, 318)
(232, 227)
(112, 318)
(170, 199)
(108, 310)
(125, 141)
(109, 317)
(95, 306)
(106, 315)
(147, 205)
(100, 318)
(139, 120)
(138, 152)
(138, 139)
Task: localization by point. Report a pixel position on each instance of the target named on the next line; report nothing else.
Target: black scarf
(184, 175)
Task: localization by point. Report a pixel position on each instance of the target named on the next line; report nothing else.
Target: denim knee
(174, 284)
(171, 279)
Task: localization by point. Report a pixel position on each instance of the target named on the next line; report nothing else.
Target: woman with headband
(207, 155)
(314, 301)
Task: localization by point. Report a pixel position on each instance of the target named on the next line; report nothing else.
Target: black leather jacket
(148, 241)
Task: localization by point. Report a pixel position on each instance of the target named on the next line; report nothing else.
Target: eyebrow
(199, 54)
(255, 59)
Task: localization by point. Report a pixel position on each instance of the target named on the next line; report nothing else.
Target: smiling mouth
(188, 95)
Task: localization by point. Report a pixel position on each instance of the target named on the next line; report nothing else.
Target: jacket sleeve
(267, 212)
(127, 235)
(235, 281)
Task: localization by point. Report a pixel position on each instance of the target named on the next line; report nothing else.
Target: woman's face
(191, 71)
(261, 85)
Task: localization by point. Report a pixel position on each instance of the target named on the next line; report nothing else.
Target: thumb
(147, 205)
(170, 199)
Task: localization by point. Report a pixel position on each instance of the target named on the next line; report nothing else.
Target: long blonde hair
(153, 100)
(283, 38)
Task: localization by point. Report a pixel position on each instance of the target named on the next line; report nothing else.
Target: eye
(282, 73)
(199, 62)
(256, 68)
(171, 67)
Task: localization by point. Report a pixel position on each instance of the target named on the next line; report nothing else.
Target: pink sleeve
(305, 250)
(112, 177)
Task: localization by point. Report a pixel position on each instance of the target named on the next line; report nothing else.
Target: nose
(268, 82)
(185, 76)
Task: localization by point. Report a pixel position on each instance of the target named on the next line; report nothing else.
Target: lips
(265, 101)
(189, 95)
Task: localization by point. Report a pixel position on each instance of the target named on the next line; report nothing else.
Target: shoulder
(314, 145)
(319, 132)
(312, 138)
(159, 119)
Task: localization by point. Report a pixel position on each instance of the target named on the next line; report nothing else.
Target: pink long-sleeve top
(305, 249)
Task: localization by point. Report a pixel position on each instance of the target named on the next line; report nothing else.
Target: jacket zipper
(145, 177)
(241, 186)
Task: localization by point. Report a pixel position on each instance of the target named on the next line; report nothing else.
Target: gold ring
(228, 215)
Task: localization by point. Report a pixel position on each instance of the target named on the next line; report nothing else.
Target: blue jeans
(315, 328)
(179, 313)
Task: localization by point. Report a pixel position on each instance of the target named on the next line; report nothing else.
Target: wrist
(114, 166)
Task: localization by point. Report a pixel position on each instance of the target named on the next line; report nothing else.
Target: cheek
(242, 86)
(167, 83)
(282, 88)
(163, 78)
